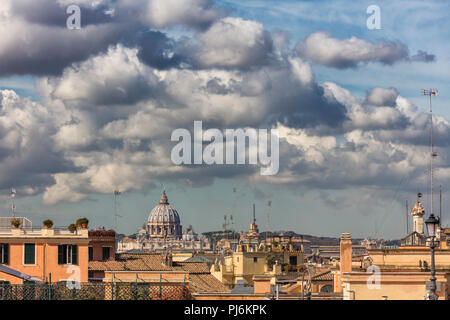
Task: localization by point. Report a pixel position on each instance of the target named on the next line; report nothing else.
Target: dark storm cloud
(35, 40)
(310, 109)
(47, 50)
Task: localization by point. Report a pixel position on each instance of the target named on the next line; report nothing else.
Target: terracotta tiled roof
(200, 278)
(205, 283)
(324, 276)
(193, 267)
(132, 262)
(105, 265)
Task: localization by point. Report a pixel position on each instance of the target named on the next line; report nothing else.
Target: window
(67, 254)
(326, 288)
(293, 260)
(105, 253)
(91, 253)
(29, 253)
(255, 259)
(4, 253)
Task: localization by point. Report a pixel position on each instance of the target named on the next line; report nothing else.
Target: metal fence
(95, 291)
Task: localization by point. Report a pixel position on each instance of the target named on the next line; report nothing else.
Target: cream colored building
(401, 273)
(392, 285)
(248, 261)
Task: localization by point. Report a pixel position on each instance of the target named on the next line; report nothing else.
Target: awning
(19, 274)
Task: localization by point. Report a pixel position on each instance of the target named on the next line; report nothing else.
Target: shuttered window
(106, 253)
(30, 253)
(91, 253)
(4, 253)
(67, 254)
(74, 254)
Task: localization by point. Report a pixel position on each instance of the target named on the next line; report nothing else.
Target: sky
(88, 111)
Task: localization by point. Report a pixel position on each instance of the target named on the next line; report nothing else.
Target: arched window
(326, 288)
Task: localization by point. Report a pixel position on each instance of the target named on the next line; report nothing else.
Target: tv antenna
(431, 93)
(269, 205)
(225, 225)
(233, 210)
(407, 217)
(116, 214)
(232, 225)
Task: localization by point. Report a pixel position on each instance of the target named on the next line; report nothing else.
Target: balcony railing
(95, 291)
(38, 231)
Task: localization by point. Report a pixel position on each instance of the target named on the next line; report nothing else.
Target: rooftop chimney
(346, 253)
(345, 263)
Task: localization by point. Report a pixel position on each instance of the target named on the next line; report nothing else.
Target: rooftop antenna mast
(440, 206)
(13, 204)
(431, 93)
(232, 226)
(233, 211)
(116, 214)
(225, 225)
(269, 204)
(407, 222)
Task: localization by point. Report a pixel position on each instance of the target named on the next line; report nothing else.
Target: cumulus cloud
(108, 125)
(28, 157)
(322, 48)
(116, 77)
(197, 13)
(382, 96)
(115, 91)
(127, 145)
(233, 43)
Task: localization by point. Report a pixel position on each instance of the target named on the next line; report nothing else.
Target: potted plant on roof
(72, 228)
(82, 223)
(15, 222)
(48, 223)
